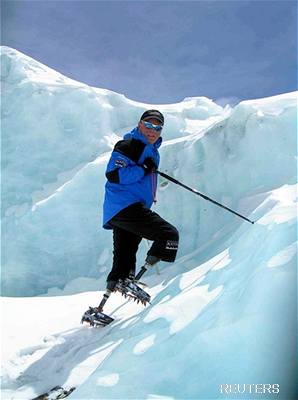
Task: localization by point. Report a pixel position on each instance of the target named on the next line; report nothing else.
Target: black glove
(149, 165)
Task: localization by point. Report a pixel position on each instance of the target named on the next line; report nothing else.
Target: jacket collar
(136, 134)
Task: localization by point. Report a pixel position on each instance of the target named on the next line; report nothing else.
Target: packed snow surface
(223, 313)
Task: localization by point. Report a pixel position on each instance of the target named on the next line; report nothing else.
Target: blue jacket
(127, 182)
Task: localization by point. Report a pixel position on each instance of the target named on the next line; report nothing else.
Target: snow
(183, 308)
(283, 257)
(223, 313)
(144, 344)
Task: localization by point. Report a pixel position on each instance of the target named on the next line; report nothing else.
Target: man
(129, 194)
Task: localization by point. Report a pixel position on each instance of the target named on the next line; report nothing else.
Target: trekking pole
(170, 178)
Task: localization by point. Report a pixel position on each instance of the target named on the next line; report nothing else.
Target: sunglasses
(149, 125)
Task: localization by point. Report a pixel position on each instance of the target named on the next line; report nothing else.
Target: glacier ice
(225, 312)
(55, 156)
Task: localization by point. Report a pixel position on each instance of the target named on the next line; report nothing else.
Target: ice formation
(224, 313)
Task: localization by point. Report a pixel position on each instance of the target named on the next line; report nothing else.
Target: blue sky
(162, 51)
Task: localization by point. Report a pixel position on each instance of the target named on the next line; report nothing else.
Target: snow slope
(224, 313)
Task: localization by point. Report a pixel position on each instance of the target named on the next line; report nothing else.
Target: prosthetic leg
(127, 287)
(94, 316)
(150, 261)
(130, 286)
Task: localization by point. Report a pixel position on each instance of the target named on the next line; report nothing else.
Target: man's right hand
(149, 165)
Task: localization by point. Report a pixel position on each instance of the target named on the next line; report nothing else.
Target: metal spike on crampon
(128, 288)
(57, 393)
(96, 318)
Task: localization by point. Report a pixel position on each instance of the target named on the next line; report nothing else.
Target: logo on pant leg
(171, 245)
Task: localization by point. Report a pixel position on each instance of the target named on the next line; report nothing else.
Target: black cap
(152, 114)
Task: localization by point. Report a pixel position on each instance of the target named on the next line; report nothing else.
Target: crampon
(56, 393)
(128, 288)
(94, 317)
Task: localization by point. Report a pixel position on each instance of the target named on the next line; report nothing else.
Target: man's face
(150, 134)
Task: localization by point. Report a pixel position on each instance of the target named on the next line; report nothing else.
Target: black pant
(132, 224)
